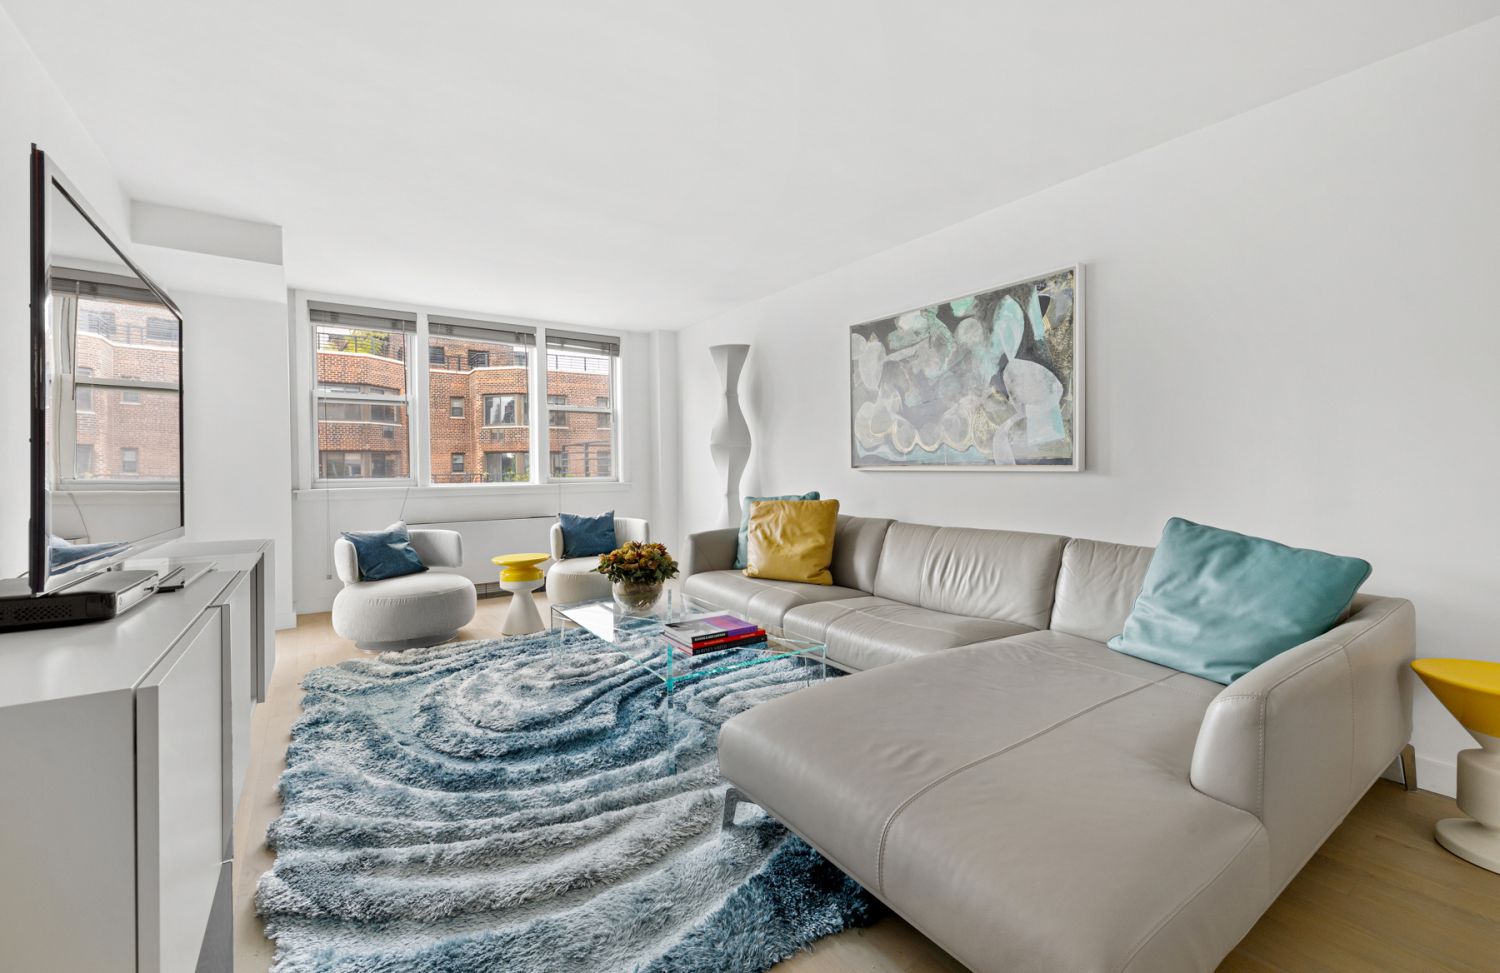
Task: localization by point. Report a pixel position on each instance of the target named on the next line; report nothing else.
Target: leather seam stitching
(1141, 943)
(886, 830)
(1161, 683)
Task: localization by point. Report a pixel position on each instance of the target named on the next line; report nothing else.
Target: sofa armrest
(346, 561)
(556, 537)
(1299, 739)
(708, 550)
(439, 548)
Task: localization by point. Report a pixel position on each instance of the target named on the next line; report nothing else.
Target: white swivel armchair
(408, 612)
(575, 579)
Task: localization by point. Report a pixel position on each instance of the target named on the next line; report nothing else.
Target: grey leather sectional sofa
(1028, 798)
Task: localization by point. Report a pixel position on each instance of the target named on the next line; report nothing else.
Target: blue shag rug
(481, 807)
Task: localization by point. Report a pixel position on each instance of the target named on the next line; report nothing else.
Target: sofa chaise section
(1040, 802)
(1027, 808)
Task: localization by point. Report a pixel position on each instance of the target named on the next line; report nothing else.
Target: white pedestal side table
(520, 575)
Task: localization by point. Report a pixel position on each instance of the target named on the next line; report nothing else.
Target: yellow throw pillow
(791, 540)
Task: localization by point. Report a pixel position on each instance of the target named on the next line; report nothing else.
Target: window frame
(422, 436)
(370, 318)
(616, 366)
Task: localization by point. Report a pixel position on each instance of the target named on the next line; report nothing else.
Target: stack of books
(700, 635)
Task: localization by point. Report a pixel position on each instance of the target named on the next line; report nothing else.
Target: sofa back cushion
(1000, 574)
(1097, 587)
(856, 550)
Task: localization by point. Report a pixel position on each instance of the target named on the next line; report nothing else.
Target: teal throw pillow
(742, 552)
(1217, 604)
(587, 536)
(386, 553)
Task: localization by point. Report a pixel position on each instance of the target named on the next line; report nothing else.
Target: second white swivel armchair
(575, 579)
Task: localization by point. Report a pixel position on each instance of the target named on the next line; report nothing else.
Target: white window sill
(399, 489)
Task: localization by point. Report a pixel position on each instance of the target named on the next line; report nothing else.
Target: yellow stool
(1471, 691)
(521, 576)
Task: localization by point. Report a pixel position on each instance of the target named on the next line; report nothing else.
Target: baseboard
(1437, 776)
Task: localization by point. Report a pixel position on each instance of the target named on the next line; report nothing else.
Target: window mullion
(418, 411)
(541, 437)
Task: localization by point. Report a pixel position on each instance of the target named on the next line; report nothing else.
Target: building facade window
(130, 459)
(455, 406)
(557, 417)
(83, 398)
(83, 462)
(456, 463)
(505, 410)
(507, 467)
(602, 420)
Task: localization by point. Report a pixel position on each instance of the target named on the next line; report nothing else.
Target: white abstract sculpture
(730, 441)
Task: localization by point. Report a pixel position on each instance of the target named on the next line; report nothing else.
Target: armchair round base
(406, 612)
(398, 646)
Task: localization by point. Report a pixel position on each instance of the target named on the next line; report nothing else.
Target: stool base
(1471, 841)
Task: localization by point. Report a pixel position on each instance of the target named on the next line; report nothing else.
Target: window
(483, 362)
(507, 467)
(581, 368)
(124, 352)
(359, 464)
(98, 322)
(163, 329)
(363, 391)
(83, 398)
(505, 410)
(478, 423)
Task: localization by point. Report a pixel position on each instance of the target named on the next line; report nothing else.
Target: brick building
(480, 408)
(125, 435)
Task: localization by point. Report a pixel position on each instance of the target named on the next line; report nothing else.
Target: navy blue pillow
(587, 536)
(385, 554)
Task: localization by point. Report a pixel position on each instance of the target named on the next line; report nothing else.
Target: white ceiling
(651, 164)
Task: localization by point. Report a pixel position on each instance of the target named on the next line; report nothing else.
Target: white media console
(123, 750)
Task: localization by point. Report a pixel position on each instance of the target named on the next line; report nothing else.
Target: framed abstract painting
(991, 381)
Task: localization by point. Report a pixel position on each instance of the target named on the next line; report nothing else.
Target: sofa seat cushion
(865, 632)
(1017, 802)
(760, 599)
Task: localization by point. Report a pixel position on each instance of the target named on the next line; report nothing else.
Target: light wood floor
(1379, 895)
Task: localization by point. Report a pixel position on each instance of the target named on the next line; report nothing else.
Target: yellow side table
(1471, 691)
(521, 576)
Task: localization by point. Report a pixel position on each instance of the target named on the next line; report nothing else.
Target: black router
(105, 595)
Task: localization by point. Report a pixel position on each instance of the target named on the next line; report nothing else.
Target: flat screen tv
(106, 393)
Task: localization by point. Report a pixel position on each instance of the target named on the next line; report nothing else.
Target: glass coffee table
(637, 636)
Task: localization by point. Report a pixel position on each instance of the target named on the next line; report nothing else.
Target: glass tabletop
(638, 635)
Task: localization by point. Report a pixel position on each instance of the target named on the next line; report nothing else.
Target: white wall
(236, 415)
(32, 110)
(1292, 332)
